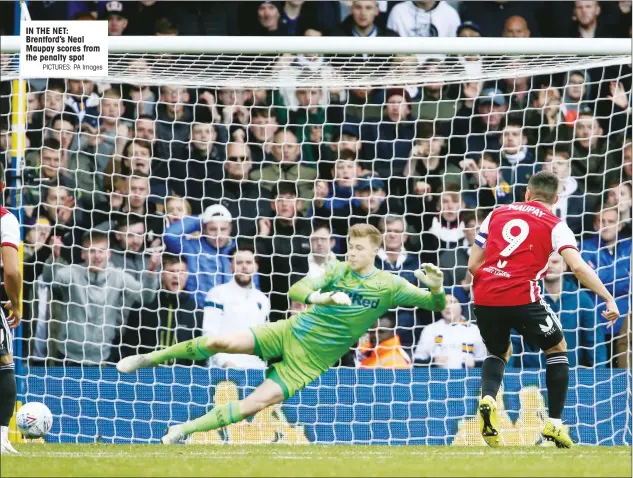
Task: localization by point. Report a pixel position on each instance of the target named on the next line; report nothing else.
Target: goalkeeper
(346, 300)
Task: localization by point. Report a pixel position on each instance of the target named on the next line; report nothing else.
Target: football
(34, 420)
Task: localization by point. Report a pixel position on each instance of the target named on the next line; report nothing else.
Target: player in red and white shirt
(12, 283)
(508, 259)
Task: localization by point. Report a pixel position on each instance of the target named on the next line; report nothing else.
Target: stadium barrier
(418, 407)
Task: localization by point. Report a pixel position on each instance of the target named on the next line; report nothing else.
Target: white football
(34, 420)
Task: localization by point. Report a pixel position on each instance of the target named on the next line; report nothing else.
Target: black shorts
(536, 322)
(6, 336)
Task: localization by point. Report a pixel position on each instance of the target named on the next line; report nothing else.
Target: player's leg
(494, 326)
(8, 388)
(543, 328)
(268, 393)
(196, 349)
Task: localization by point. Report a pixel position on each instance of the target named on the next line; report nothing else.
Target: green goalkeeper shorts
(296, 369)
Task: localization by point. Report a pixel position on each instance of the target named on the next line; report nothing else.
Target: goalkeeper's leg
(267, 394)
(196, 349)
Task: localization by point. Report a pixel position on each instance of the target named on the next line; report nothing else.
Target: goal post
(424, 121)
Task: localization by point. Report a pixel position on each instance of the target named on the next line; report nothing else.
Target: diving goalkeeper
(346, 300)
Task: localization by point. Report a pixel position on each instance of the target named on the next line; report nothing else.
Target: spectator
(295, 20)
(128, 251)
(435, 104)
(63, 129)
(175, 209)
(492, 188)
(91, 301)
(262, 130)
(571, 206)
(321, 247)
(53, 99)
(34, 118)
(492, 16)
(577, 90)
(518, 163)
(283, 165)
(135, 200)
(544, 117)
(236, 307)
(480, 133)
(393, 255)
(381, 347)
(142, 97)
(52, 168)
(454, 262)
(424, 18)
(362, 22)
(67, 221)
(38, 245)
(574, 310)
(610, 256)
(622, 174)
(592, 155)
(204, 18)
(117, 16)
(395, 258)
(451, 342)
(369, 204)
(200, 176)
(268, 20)
(282, 245)
(100, 144)
(586, 21)
(468, 29)
(427, 172)
(447, 226)
(170, 318)
(390, 139)
(174, 115)
(516, 27)
(334, 198)
(205, 241)
(244, 199)
(620, 195)
(83, 101)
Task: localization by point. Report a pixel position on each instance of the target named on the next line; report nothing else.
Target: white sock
(4, 433)
(557, 422)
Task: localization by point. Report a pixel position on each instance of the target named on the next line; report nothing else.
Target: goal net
(134, 189)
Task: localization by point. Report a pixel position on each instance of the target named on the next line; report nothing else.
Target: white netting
(164, 137)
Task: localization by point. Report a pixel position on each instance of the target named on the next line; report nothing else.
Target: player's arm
(478, 251)
(587, 277)
(12, 282)
(476, 259)
(406, 294)
(308, 289)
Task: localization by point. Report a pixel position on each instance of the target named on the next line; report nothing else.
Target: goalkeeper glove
(329, 298)
(431, 276)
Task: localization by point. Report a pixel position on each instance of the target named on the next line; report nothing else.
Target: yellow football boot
(489, 421)
(559, 435)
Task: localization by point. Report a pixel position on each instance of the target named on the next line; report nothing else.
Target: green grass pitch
(285, 460)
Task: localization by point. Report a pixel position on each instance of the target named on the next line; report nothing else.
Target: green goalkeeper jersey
(328, 331)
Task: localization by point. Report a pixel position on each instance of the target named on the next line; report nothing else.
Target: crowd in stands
(156, 214)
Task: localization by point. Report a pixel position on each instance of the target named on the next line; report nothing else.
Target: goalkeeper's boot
(6, 448)
(133, 363)
(489, 421)
(559, 435)
(173, 436)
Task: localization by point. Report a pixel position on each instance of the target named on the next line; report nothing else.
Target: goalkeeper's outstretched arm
(407, 294)
(307, 292)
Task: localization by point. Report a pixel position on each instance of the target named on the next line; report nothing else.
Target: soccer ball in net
(34, 420)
